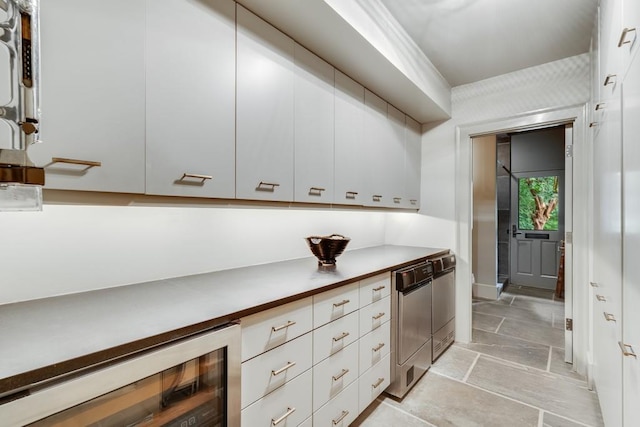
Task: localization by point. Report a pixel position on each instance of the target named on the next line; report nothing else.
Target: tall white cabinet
(264, 114)
(616, 233)
(190, 98)
(93, 95)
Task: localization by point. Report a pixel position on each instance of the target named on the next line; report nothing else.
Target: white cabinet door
(395, 158)
(93, 95)
(264, 133)
(629, 39)
(631, 243)
(350, 159)
(190, 100)
(314, 122)
(412, 163)
(376, 135)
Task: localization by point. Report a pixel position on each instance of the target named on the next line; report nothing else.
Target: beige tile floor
(512, 374)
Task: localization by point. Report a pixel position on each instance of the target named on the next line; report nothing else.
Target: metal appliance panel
(414, 321)
(404, 376)
(444, 296)
(443, 338)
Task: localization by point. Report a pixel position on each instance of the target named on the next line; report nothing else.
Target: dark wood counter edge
(17, 385)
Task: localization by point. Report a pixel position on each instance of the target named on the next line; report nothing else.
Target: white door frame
(577, 251)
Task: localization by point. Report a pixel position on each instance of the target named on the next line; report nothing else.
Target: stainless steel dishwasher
(444, 303)
(410, 326)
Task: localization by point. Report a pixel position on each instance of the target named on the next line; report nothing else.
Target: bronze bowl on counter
(327, 248)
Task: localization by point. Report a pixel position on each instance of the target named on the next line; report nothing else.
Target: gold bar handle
(378, 316)
(623, 36)
(196, 176)
(316, 191)
(593, 284)
(601, 298)
(626, 352)
(600, 106)
(610, 79)
(284, 368)
(341, 303)
(340, 375)
(341, 336)
(609, 317)
(377, 383)
(340, 418)
(281, 327)
(351, 194)
(379, 288)
(88, 163)
(283, 417)
(593, 124)
(413, 201)
(267, 186)
(378, 347)
(377, 197)
(397, 199)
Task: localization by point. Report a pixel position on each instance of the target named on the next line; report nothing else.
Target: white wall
(74, 248)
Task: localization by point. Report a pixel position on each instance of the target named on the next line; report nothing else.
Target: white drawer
(334, 374)
(335, 336)
(374, 288)
(374, 346)
(339, 411)
(373, 382)
(270, 328)
(333, 304)
(374, 315)
(272, 369)
(294, 398)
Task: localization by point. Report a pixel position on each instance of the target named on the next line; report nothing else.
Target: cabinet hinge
(568, 324)
(569, 151)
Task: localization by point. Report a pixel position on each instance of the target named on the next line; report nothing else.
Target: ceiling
(471, 40)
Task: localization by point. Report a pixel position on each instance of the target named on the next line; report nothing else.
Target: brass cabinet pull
(377, 197)
(377, 383)
(283, 417)
(281, 327)
(610, 79)
(378, 347)
(351, 194)
(397, 199)
(609, 317)
(601, 298)
(413, 201)
(626, 352)
(316, 191)
(593, 284)
(600, 106)
(88, 163)
(340, 418)
(593, 124)
(341, 336)
(267, 186)
(379, 288)
(623, 36)
(196, 176)
(284, 368)
(341, 303)
(340, 375)
(378, 316)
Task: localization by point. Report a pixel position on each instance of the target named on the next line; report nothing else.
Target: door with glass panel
(537, 227)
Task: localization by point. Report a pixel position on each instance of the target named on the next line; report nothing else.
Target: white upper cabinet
(190, 81)
(394, 147)
(93, 95)
(412, 163)
(376, 135)
(265, 106)
(314, 124)
(349, 141)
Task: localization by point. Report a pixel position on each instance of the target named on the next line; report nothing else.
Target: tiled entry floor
(513, 374)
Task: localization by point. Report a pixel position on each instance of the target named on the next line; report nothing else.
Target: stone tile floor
(512, 374)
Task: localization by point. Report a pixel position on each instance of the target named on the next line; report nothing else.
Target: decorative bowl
(327, 248)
